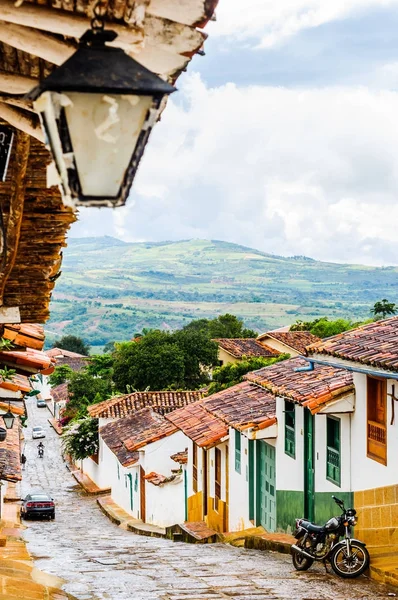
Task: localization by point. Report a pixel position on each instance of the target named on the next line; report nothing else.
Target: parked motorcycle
(349, 557)
(40, 451)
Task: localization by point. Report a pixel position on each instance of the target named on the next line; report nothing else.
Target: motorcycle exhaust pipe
(301, 551)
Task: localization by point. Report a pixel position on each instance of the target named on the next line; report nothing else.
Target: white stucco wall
(366, 472)
(165, 504)
(239, 485)
(121, 490)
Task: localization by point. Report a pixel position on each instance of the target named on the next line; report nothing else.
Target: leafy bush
(80, 439)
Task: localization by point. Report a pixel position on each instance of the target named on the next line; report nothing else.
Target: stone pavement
(100, 561)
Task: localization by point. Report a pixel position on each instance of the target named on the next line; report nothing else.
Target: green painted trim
(251, 480)
(130, 477)
(325, 506)
(290, 506)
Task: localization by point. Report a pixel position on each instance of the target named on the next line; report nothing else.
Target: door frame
(309, 465)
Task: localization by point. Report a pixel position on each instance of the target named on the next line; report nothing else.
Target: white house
(137, 459)
(108, 411)
(370, 352)
(284, 341)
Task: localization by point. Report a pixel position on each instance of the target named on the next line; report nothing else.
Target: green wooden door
(309, 466)
(265, 489)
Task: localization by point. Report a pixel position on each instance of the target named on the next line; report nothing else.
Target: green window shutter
(237, 452)
(251, 480)
(333, 458)
(290, 429)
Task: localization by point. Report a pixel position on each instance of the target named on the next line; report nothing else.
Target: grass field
(110, 289)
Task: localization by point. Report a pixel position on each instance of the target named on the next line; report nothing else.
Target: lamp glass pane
(104, 130)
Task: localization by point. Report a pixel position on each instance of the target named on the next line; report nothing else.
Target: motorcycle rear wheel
(352, 566)
(301, 562)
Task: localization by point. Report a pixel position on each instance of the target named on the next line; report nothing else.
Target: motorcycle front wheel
(301, 562)
(353, 565)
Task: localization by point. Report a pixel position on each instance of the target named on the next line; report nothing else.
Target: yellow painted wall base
(217, 519)
(195, 507)
(377, 511)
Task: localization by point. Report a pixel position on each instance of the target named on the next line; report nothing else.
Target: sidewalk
(19, 578)
(121, 518)
(258, 539)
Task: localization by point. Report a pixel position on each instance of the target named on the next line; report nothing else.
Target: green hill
(110, 289)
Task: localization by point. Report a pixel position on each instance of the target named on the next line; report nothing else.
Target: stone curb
(253, 542)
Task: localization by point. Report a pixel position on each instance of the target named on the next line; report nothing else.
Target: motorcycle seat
(311, 527)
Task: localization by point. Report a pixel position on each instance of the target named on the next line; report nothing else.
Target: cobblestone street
(98, 560)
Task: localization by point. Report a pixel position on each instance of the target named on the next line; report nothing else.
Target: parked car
(40, 403)
(38, 504)
(38, 432)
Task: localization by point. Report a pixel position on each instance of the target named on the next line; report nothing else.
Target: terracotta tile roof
(59, 392)
(10, 455)
(312, 388)
(198, 424)
(62, 353)
(63, 357)
(240, 347)
(15, 409)
(155, 478)
(180, 457)
(242, 406)
(28, 361)
(17, 383)
(158, 479)
(374, 344)
(147, 426)
(297, 340)
(161, 402)
(114, 435)
(25, 335)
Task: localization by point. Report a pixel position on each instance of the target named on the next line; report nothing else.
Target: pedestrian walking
(23, 461)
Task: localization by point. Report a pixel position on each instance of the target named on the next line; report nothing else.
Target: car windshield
(37, 428)
(40, 497)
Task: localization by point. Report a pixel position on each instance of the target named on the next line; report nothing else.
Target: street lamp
(8, 419)
(97, 111)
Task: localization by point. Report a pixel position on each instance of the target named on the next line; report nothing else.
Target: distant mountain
(110, 289)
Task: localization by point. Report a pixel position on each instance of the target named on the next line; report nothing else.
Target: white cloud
(272, 21)
(310, 172)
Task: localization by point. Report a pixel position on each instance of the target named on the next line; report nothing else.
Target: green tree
(224, 326)
(231, 374)
(323, 327)
(100, 365)
(200, 356)
(60, 375)
(155, 360)
(383, 308)
(73, 344)
(85, 389)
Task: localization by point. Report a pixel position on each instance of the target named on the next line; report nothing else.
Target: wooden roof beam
(36, 42)
(13, 228)
(169, 36)
(16, 84)
(65, 23)
(24, 121)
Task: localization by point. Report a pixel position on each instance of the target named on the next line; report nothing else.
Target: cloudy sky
(284, 137)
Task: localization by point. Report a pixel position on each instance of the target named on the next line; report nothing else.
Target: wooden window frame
(380, 429)
(238, 452)
(332, 452)
(194, 467)
(290, 429)
(217, 481)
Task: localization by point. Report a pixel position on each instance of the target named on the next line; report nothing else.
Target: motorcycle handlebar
(338, 501)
